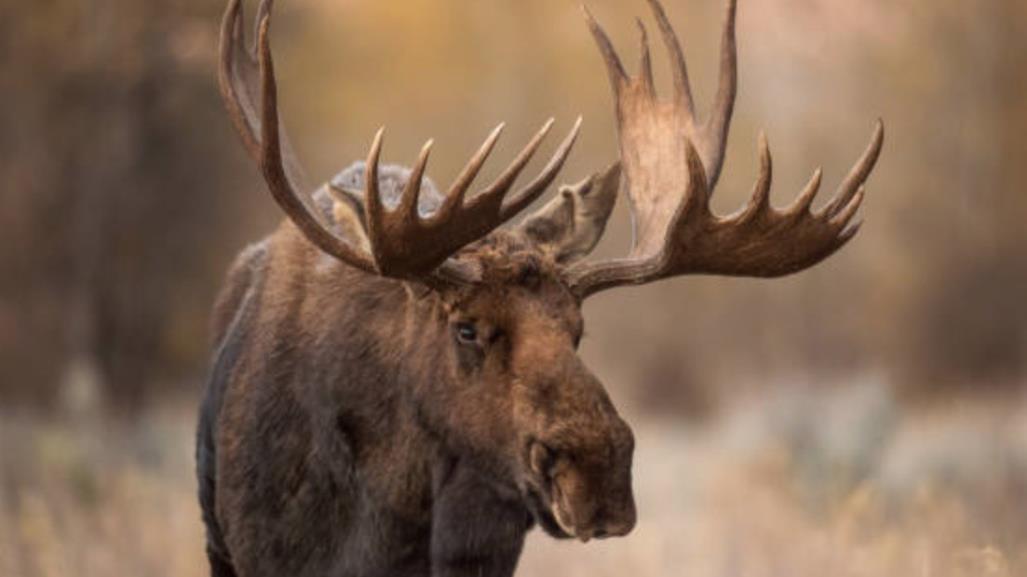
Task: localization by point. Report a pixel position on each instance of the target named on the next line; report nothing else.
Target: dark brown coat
(349, 429)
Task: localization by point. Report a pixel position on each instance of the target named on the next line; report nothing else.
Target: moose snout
(616, 523)
(594, 503)
(591, 489)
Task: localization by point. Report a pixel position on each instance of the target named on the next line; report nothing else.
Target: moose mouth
(542, 495)
(545, 515)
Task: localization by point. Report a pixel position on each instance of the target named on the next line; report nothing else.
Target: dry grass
(845, 484)
(98, 499)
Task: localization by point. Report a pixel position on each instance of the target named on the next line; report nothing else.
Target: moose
(395, 388)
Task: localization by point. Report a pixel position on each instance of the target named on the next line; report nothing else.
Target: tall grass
(840, 484)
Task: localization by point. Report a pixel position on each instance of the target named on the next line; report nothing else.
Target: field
(847, 483)
(126, 194)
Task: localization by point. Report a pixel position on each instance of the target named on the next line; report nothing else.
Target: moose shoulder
(395, 388)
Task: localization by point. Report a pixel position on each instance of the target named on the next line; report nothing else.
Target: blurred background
(866, 417)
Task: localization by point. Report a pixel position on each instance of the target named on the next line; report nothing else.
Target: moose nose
(619, 519)
(612, 524)
(618, 529)
(614, 529)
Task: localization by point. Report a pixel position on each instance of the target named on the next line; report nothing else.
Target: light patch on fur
(570, 225)
(392, 179)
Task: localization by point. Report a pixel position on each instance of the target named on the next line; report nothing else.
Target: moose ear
(348, 214)
(570, 225)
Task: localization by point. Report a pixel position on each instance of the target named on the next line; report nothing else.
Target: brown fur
(348, 431)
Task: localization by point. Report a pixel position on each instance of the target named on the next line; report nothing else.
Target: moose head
(489, 319)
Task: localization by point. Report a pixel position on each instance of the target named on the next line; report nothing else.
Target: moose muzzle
(589, 481)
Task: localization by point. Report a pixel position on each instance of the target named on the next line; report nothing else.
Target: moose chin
(396, 388)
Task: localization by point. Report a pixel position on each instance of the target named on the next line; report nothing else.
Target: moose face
(518, 394)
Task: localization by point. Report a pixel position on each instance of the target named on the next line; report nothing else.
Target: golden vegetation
(856, 487)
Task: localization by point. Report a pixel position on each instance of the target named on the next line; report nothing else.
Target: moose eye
(467, 333)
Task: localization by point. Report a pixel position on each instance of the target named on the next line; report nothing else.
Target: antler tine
(859, 173)
(846, 235)
(697, 192)
(800, 206)
(412, 191)
(491, 199)
(614, 66)
(374, 209)
(274, 171)
(760, 200)
(236, 97)
(679, 68)
(645, 61)
(263, 12)
(841, 219)
(719, 122)
(533, 190)
(458, 191)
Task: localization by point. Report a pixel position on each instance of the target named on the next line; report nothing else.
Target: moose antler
(672, 161)
(403, 243)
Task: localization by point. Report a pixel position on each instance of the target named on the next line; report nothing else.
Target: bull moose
(396, 390)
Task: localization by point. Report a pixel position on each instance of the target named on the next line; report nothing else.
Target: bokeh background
(866, 417)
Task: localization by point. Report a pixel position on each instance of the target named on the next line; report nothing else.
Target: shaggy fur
(350, 428)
